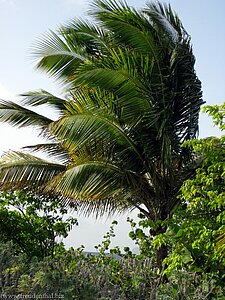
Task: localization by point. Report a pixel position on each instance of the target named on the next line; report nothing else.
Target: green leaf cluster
(196, 231)
(34, 224)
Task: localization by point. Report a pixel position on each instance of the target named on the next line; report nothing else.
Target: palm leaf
(19, 116)
(86, 35)
(40, 97)
(166, 20)
(76, 131)
(57, 57)
(88, 181)
(21, 170)
(100, 187)
(129, 26)
(52, 150)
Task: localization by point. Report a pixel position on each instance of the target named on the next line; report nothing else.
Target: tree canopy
(133, 99)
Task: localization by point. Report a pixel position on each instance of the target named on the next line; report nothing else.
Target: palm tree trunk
(162, 252)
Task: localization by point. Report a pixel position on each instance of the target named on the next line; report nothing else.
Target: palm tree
(132, 99)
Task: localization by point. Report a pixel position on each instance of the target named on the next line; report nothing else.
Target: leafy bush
(34, 224)
(75, 274)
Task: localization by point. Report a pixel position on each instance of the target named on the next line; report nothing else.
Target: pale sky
(24, 21)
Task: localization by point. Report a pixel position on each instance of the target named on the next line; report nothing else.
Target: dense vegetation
(194, 236)
(124, 139)
(34, 224)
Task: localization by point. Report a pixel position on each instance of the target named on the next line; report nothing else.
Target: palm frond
(21, 170)
(52, 150)
(40, 97)
(58, 58)
(19, 116)
(94, 39)
(105, 78)
(76, 131)
(98, 7)
(166, 20)
(130, 99)
(99, 187)
(100, 184)
(130, 27)
(90, 180)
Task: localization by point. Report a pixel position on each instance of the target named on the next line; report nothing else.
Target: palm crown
(132, 99)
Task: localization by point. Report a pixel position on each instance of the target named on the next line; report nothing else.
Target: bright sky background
(24, 21)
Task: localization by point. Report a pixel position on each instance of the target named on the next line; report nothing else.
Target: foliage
(202, 218)
(132, 99)
(195, 233)
(75, 274)
(34, 224)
